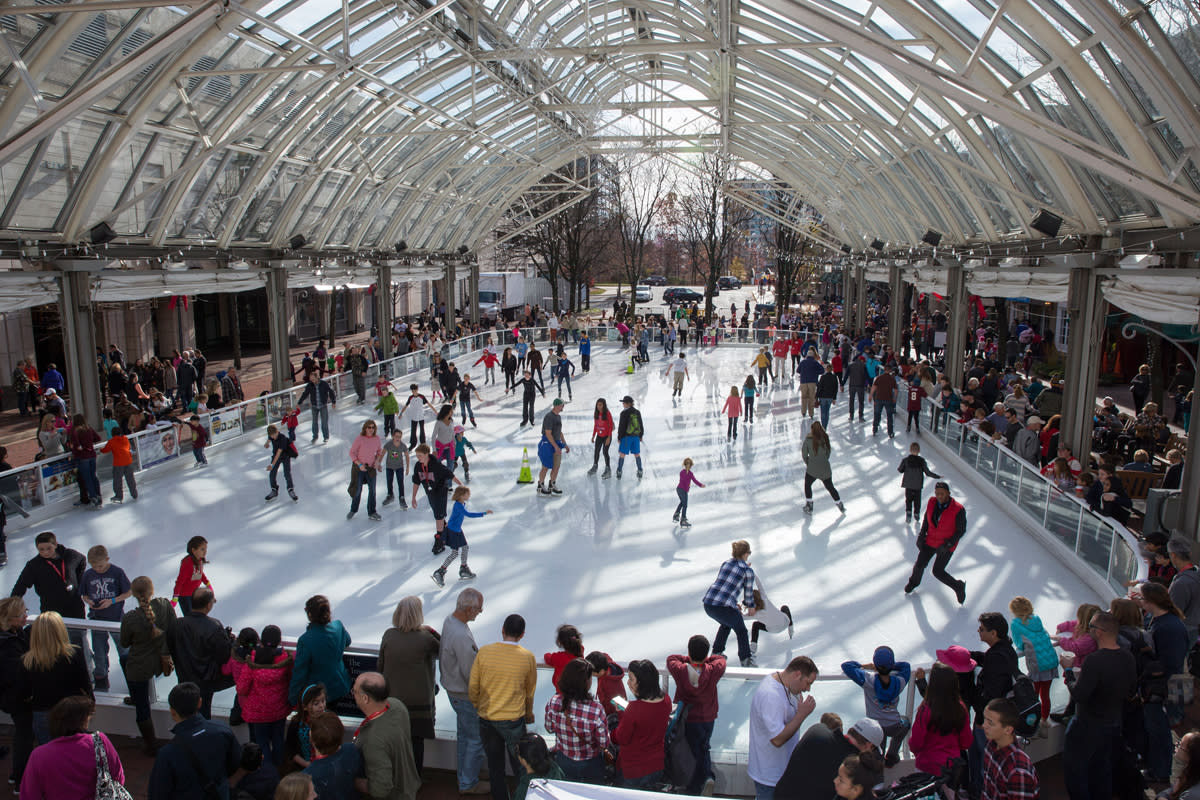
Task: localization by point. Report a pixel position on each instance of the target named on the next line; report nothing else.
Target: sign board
(356, 664)
(224, 424)
(157, 446)
(59, 480)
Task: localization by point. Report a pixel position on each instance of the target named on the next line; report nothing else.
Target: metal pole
(79, 342)
(448, 296)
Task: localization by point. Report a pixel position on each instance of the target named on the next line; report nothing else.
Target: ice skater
(461, 443)
(395, 465)
(563, 370)
(629, 435)
(816, 451)
(551, 447)
(283, 450)
(679, 367)
(432, 474)
(944, 525)
(414, 412)
(686, 479)
(602, 430)
(914, 468)
(749, 390)
(529, 387)
(733, 410)
(454, 538)
(767, 617)
(389, 406)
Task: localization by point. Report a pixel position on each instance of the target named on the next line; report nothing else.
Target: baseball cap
(626, 399)
(1034, 420)
(869, 730)
(558, 401)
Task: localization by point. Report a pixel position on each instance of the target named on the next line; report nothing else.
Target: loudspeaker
(102, 233)
(1046, 222)
(845, 248)
(878, 245)
(401, 246)
(463, 249)
(297, 241)
(932, 238)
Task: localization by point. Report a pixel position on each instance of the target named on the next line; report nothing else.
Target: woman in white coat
(767, 618)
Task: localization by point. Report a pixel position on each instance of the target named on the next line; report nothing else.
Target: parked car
(654, 280)
(642, 294)
(764, 308)
(728, 282)
(681, 294)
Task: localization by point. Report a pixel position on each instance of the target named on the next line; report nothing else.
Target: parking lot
(721, 302)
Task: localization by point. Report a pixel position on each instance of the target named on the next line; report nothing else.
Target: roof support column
(1085, 308)
(1188, 523)
(473, 292)
(895, 308)
(385, 314)
(277, 321)
(448, 281)
(79, 340)
(956, 335)
(860, 298)
(848, 299)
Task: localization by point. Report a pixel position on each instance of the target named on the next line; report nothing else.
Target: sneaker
(554, 488)
(606, 474)
(274, 493)
(749, 662)
(465, 574)
(389, 499)
(292, 494)
(350, 515)
(592, 471)
(374, 517)
(683, 523)
(439, 577)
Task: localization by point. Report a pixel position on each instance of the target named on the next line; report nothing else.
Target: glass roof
(357, 123)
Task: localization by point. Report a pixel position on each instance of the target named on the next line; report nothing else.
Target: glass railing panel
(1008, 474)
(1095, 543)
(1062, 518)
(1034, 491)
(1125, 564)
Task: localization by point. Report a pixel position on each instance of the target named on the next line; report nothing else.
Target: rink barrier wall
(32, 493)
(1099, 550)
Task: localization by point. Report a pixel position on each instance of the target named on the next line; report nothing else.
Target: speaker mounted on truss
(846, 248)
(401, 246)
(101, 233)
(297, 241)
(463, 249)
(1046, 222)
(932, 238)
(877, 244)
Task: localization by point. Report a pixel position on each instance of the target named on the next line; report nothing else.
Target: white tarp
(116, 286)
(302, 279)
(542, 789)
(1050, 287)
(927, 281)
(1159, 298)
(20, 290)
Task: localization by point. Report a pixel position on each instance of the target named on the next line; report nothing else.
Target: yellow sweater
(503, 679)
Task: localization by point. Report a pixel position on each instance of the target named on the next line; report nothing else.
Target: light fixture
(1046, 222)
(101, 233)
(297, 241)
(1140, 261)
(877, 244)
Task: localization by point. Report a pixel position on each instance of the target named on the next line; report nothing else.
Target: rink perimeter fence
(46, 488)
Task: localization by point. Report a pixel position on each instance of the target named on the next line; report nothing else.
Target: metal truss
(243, 123)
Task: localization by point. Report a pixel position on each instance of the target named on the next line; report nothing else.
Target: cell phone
(620, 703)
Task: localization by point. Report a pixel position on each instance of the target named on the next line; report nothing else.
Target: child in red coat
(262, 673)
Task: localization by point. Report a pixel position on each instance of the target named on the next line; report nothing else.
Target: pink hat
(957, 657)
(458, 428)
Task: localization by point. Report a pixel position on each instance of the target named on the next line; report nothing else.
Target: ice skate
(439, 577)
(592, 471)
(274, 493)
(389, 499)
(808, 508)
(465, 574)
(683, 523)
(554, 488)
(292, 494)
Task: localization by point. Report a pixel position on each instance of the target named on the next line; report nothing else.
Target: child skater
(283, 450)
(199, 440)
(389, 406)
(461, 443)
(395, 461)
(291, 421)
(686, 479)
(191, 574)
(454, 538)
(732, 410)
(914, 468)
(748, 392)
(1041, 659)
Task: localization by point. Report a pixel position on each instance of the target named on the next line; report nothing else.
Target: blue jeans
(41, 726)
(857, 393)
(470, 748)
(1158, 740)
(1087, 759)
(642, 782)
(464, 403)
(500, 739)
(100, 652)
(763, 792)
(320, 416)
(681, 509)
(698, 735)
(825, 405)
(588, 771)
(366, 478)
(729, 618)
(88, 478)
(880, 408)
(269, 736)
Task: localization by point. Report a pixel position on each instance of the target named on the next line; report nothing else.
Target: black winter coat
(45, 576)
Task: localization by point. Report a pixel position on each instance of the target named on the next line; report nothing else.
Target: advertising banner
(157, 446)
(59, 479)
(224, 424)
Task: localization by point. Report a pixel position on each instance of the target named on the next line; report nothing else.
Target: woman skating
(816, 451)
(602, 430)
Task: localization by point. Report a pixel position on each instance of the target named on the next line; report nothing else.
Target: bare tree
(584, 234)
(640, 186)
(712, 219)
(793, 218)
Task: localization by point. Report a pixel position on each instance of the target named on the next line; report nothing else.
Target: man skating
(944, 525)
(629, 435)
(551, 447)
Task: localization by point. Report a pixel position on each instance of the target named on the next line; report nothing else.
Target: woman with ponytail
(142, 632)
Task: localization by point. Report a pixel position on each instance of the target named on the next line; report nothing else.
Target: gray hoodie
(1185, 593)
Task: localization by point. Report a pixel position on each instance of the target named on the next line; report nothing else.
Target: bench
(1138, 484)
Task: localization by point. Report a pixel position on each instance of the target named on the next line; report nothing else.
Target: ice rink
(605, 555)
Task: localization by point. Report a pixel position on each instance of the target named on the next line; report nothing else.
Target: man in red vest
(945, 523)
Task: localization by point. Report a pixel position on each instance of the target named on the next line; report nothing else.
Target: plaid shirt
(582, 732)
(1008, 774)
(735, 574)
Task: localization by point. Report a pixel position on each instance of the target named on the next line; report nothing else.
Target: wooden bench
(1138, 484)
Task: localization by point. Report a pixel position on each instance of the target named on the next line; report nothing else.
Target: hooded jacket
(1032, 631)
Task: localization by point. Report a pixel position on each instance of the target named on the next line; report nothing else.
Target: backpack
(1029, 706)
(679, 763)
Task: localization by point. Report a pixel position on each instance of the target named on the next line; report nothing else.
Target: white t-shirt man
(770, 711)
(678, 369)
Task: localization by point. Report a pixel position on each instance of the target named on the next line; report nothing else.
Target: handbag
(352, 489)
(106, 787)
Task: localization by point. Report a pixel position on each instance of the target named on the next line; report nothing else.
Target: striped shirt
(582, 732)
(735, 574)
(503, 679)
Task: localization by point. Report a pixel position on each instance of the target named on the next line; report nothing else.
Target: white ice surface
(605, 555)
